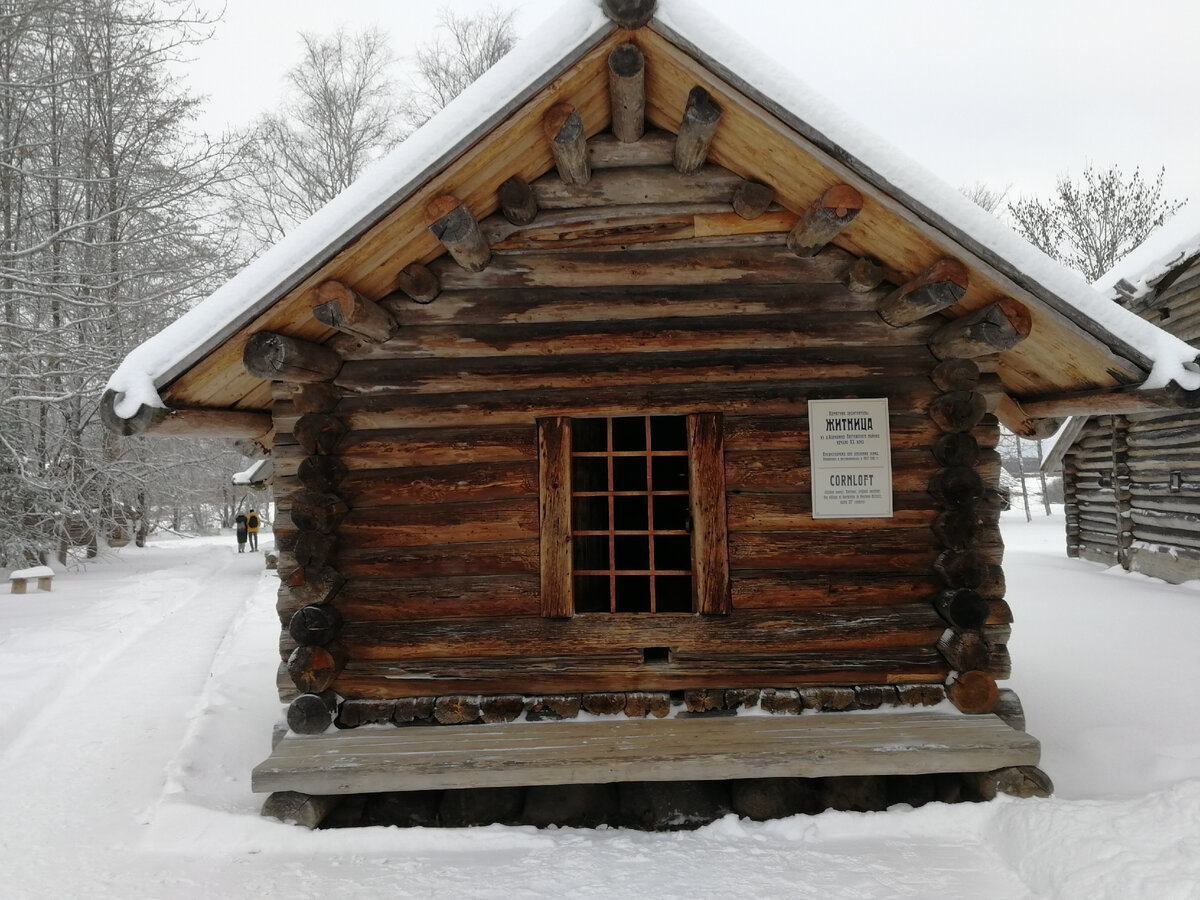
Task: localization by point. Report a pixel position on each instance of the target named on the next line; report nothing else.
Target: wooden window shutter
(554, 493)
(706, 485)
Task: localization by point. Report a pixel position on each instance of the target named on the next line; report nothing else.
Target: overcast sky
(1007, 93)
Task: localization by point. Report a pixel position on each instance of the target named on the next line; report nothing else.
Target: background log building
(1132, 478)
(538, 402)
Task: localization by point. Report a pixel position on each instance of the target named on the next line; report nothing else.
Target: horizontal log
(378, 375)
(380, 678)
(1123, 401)
(443, 597)
(939, 287)
(887, 552)
(422, 447)
(817, 330)
(279, 357)
(456, 523)
(793, 512)
(789, 471)
(340, 307)
(820, 629)
(568, 143)
(701, 116)
(654, 148)
(994, 328)
(790, 432)
(627, 92)
(476, 559)
(163, 422)
(650, 185)
(454, 410)
(433, 484)
(798, 589)
(824, 219)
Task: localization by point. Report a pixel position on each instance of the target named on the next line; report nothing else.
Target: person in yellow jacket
(252, 524)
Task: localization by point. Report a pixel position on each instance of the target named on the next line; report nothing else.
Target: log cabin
(1131, 476)
(634, 423)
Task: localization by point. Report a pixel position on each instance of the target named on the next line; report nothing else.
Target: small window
(1175, 483)
(633, 515)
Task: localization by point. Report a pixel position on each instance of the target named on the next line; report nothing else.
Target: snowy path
(147, 694)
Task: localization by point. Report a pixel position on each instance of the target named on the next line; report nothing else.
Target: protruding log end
(138, 423)
(752, 199)
(314, 626)
(318, 433)
(864, 275)
(318, 512)
(991, 329)
(940, 286)
(955, 375)
(517, 201)
(312, 713)
(418, 283)
(963, 608)
(454, 226)
(568, 143)
(627, 91)
(958, 410)
(294, 808)
(974, 692)
(278, 357)
(340, 307)
(321, 473)
(700, 119)
(821, 222)
(629, 13)
(314, 397)
(313, 669)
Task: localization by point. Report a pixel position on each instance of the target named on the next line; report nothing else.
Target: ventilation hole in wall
(656, 655)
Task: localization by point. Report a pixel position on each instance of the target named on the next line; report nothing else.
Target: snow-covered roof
(1177, 242)
(939, 210)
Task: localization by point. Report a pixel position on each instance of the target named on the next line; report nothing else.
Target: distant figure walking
(252, 529)
(240, 521)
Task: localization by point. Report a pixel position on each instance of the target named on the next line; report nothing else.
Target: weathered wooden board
(585, 752)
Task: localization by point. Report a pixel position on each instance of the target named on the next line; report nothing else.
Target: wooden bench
(19, 580)
(367, 760)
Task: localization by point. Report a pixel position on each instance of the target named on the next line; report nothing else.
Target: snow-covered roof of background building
(1135, 274)
(541, 58)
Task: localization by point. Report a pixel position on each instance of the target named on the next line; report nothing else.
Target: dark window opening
(1175, 484)
(631, 546)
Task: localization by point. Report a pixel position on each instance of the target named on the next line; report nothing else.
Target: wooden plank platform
(369, 760)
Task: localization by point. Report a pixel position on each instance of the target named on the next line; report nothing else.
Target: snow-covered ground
(136, 697)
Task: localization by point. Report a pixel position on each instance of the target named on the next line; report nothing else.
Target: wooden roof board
(757, 139)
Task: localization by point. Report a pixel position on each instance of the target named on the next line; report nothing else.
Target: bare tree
(341, 113)
(986, 197)
(1092, 223)
(465, 48)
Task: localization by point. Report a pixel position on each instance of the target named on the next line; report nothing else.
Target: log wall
(1133, 482)
(409, 499)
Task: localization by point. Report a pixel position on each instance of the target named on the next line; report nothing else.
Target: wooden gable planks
(516, 146)
(1058, 356)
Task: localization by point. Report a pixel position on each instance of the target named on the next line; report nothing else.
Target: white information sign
(850, 447)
